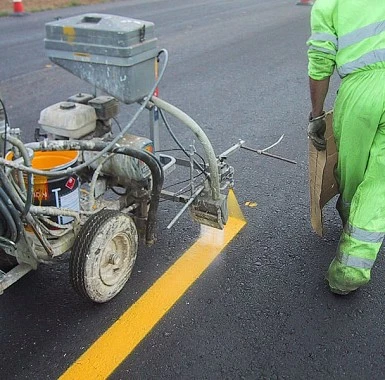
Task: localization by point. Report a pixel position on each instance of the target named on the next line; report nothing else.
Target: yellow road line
(109, 351)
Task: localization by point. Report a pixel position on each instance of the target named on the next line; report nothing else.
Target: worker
(349, 36)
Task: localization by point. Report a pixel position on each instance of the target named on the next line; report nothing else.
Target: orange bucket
(55, 191)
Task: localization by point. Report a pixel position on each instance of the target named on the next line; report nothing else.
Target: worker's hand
(316, 131)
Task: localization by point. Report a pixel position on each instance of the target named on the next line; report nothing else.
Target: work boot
(344, 279)
(340, 292)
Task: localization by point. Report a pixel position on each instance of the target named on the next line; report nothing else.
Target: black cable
(27, 162)
(203, 160)
(181, 182)
(117, 192)
(29, 186)
(158, 178)
(13, 214)
(188, 179)
(148, 158)
(9, 226)
(10, 192)
(6, 127)
(178, 183)
(11, 232)
(168, 127)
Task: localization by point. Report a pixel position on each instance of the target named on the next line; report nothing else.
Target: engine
(84, 116)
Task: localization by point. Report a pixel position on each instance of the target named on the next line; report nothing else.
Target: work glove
(316, 131)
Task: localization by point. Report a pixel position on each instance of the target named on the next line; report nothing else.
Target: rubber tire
(7, 262)
(91, 246)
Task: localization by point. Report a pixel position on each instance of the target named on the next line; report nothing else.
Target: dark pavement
(262, 309)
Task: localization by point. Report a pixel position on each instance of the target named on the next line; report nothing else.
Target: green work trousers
(359, 129)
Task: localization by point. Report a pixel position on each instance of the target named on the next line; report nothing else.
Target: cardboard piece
(322, 183)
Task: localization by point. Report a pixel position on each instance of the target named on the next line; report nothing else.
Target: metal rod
(154, 129)
(232, 149)
(9, 278)
(184, 208)
(191, 156)
(269, 154)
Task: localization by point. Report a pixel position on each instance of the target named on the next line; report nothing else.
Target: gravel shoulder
(7, 7)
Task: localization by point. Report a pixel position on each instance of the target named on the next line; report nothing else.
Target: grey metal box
(116, 54)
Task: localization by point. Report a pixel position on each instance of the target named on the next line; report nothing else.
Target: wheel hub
(114, 257)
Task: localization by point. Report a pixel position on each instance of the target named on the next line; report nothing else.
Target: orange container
(55, 191)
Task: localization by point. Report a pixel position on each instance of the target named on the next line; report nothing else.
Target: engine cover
(68, 119)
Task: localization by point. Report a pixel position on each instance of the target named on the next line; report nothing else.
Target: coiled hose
(10, 222)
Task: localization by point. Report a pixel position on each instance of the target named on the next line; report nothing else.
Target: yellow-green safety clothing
(346, 34)
(350, 36)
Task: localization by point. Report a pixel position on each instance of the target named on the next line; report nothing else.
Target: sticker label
(70, 183)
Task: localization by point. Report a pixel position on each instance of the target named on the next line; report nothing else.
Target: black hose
(9, 191)
(13, 214)
(158, 178)
(28, 201)
(6, 127)
(171, 132)
(27, 162)
(10, 226)
(148, 158)
(16, 200)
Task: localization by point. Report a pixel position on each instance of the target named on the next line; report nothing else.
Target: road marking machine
(83, 189)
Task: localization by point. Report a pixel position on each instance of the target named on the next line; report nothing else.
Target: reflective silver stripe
(370, 58)
(360, 34)
(324, 50)
(363, 235)
(323, 37)
(354, 261)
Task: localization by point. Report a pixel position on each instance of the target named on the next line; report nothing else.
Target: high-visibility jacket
(347, 35)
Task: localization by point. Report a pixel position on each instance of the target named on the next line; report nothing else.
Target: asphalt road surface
(262, 310)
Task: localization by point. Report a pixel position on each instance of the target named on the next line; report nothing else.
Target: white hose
(197, 130)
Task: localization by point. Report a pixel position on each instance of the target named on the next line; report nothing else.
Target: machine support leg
(154, 129)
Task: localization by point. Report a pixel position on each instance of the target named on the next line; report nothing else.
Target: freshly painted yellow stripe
(109, 351)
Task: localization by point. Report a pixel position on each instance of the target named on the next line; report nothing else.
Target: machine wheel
(103, 255)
